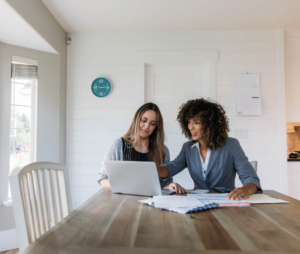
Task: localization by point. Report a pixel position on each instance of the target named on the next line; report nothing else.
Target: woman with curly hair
(212, 158)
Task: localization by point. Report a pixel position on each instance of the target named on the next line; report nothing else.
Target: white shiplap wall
(292, 63)
(93, 123)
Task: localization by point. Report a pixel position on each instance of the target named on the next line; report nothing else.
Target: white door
(169, 86)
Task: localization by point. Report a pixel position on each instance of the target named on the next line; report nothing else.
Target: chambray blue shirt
(203, 164)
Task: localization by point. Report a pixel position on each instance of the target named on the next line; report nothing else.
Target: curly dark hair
(212, 117)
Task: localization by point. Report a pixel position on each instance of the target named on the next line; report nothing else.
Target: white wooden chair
(41, 198)
(254, 165)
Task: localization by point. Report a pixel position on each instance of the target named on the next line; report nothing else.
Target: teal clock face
(101, 87)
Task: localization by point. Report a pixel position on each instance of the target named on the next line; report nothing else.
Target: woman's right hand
(177, 188)
(105, 183)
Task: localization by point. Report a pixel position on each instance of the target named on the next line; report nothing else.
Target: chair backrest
(254, 165)
(41, 198)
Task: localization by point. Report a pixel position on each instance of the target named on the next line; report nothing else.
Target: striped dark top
(130, 154)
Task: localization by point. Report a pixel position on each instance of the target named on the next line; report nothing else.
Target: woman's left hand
(238, 193)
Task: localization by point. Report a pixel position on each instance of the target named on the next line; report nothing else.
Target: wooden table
(112, 223)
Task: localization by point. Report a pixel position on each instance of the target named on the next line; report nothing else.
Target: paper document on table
(148, 201)
(209, 195)
(264, 199)
(199, 191)
(220, 198)
(179, 204)
(176, 201)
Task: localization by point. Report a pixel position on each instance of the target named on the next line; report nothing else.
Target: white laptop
(134, 177)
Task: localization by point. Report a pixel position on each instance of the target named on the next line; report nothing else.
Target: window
(23, 112)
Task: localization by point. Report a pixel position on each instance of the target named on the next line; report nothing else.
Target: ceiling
(19, 32)
(83, 16)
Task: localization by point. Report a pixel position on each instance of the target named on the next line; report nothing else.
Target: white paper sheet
(264, 199)
(222, 199)
(176, 201)
(199, 191)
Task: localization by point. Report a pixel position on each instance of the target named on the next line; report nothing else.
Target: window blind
(22, 71)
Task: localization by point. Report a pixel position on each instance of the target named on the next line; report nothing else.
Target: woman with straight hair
(144, 141)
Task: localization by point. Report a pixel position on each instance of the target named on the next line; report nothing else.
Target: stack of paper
(199, 202)
(221, 198)
(179, 204)
(199, 191)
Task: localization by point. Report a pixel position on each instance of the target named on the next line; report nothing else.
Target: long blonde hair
(157, 138)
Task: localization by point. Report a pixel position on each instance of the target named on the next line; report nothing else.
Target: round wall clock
(101, 87)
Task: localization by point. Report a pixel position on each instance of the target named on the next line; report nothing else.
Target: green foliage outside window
(21, 135)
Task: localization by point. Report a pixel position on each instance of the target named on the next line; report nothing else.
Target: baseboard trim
(8, 240)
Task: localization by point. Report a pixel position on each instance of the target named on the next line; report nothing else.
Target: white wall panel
(83, 180)
(259, 147)
(88, 147)
(103, 103)
(101, 113)
(173, 138)
(229, 79)
(100, 59)
(87, 170)
(292, 77)
(95, 70)
(172, 84)
(270, 182)
(84, 158)
(235, 68)
(259, 136)
(254, 124)
(132, 47)
(97, 125)
(93, 123)
(142, 37)
(107, 136)
(267, 170)
(247, 57)
(116, 80)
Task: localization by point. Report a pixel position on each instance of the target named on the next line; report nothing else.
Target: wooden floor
(10, 252)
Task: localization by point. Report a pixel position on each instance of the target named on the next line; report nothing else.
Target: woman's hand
(105, 183)
(177, 188)
(238, 193)
(242, 193)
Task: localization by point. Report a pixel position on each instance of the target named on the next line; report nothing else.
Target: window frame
(33, 110)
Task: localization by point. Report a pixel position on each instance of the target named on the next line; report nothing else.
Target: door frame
(188, 57)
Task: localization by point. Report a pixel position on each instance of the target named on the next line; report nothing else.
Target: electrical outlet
(241, 133)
